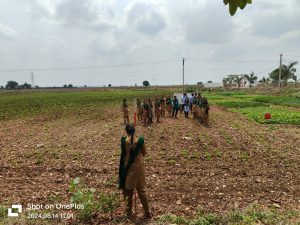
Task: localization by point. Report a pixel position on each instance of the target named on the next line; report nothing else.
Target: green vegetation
(3, 212)
(283, 108)
(251, 215)
(280, 115)
(279, 100)
(23, 104)
(83, 195)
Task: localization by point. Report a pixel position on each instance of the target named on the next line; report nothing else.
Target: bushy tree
(287, 72)
(26, 86)
(146, 83)
(70, 85)
(11, 84)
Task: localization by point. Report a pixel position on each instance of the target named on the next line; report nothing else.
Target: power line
(136, 64)
(273, 67)
(297, 56)
(232, 61)
(87, 67)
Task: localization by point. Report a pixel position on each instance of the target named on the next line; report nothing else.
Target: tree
(2, 87)
(264, 81)
(146, 83)
(26, 86)
(251, 78)
(65, 86)
(109, 85)
(235, 4)
(70, 85)
(287, 72)
(11, 84)
(209, 82)
(226, 82)
(238, 80)
(295, 79)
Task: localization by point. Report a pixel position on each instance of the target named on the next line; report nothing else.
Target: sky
(101, 42)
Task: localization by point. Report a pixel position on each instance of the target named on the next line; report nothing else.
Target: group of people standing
(133, 150)
(160, 106)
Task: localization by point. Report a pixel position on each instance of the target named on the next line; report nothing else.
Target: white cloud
(7, 32)
(64, 33)
(145, 18)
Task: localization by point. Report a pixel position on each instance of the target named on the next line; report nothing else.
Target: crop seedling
(244, 156)
(207, 155)
(172, 162)
(218, 153)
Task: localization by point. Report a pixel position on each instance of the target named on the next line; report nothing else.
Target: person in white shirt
(191, 101)
(183, 102)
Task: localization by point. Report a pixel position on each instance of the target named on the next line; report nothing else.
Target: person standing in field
(186, 108)
(175, 104)
(145, 113)
(191, 102)
(195, 105)
(150, 110)
(163, 106)
(139, 109)
(169, 106)
(183, 102)
(205, 113)
(132, 170)
(125, 111)
(157, 109)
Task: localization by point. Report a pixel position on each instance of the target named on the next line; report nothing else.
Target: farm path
(231, 164)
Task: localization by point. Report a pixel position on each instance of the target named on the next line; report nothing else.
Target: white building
(244, 84)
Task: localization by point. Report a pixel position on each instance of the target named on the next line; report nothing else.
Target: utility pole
(280, 71)
(32, 80)
(183, 74)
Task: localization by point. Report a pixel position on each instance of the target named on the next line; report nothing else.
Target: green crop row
(17, 104)
(279, 115)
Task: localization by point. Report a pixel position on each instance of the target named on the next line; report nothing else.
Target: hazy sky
(98, 42)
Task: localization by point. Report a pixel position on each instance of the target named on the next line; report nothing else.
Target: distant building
(244, 84)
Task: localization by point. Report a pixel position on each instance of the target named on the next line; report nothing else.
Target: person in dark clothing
(175, 107)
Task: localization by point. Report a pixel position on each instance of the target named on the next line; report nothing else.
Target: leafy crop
(279, 115)
(92, 202)
(255, 106)
(20, 104)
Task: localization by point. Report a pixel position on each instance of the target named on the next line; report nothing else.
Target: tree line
(288, 72)
(13, 85)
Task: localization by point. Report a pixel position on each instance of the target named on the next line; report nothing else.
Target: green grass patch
(20, 104)
(279, 115)
(247, 216)
(279, 100)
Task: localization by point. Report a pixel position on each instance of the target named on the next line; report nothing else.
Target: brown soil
(232, 163)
